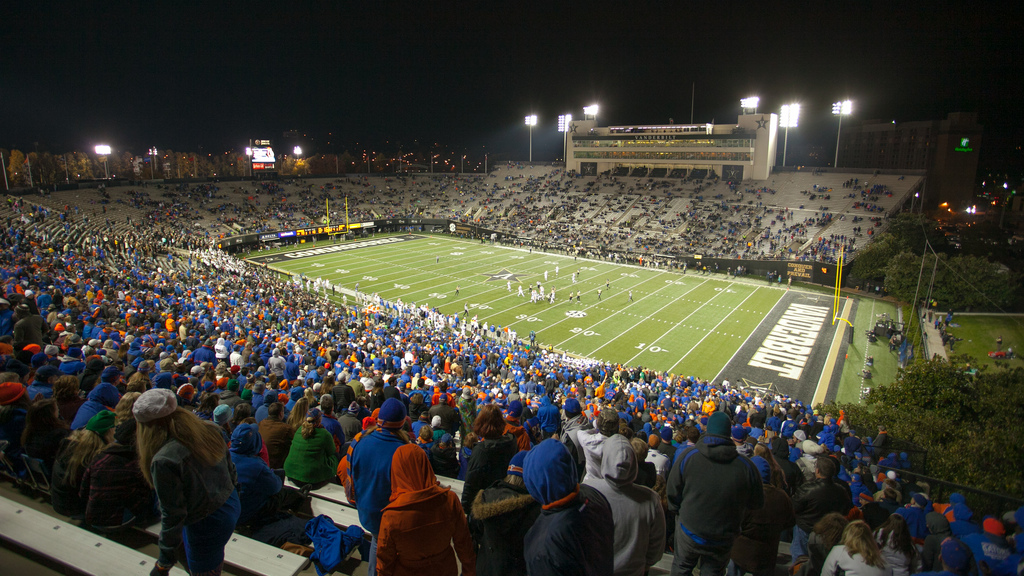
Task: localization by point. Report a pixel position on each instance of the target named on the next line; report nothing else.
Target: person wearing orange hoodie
(422, 522)
(513, 427)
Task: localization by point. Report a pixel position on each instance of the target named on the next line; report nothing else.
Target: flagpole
(4, 167)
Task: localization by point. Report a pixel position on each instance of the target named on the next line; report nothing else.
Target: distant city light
(248, 151)
(297, 150)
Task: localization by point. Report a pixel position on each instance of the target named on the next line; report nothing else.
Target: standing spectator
(897, 546)
(990, 546)
(573, 421)
(421, 522)
(637, 516)
(938, 531)
(505, 512)
(313, 457)
(592, 442)
(491, 455)
(573, 536)
(14, 403)
(710, 487)
(814, 500)
(955, 559)
(757, 547)
(858, 555)
(370, 470)
(186, 461)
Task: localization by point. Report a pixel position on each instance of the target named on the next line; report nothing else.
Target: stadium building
(741, 151)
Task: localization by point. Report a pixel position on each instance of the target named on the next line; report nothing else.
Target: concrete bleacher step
(79, 550)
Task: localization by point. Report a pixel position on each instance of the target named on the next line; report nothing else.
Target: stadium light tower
(590, 112)
(531, 121)
(844, 108)
(248, 154)
(788, 119)
(749, 105)
(297, 150)
(564, 123)
(152, 159)
(104, 150)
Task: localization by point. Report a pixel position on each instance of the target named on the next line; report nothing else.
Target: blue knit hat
(571, 406)
(666, 433)
(515, 409)
(515, 466)
(392, 414)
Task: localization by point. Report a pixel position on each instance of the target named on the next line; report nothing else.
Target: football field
(685, 324)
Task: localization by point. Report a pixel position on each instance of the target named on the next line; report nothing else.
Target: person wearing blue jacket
(574, 533)
(261, 492)
(103, 397)
(550, 417)
(370, 468)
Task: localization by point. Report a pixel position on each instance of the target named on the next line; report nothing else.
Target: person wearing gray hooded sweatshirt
(637, 516)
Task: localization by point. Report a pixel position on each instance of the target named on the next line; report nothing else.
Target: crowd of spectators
(196, 395)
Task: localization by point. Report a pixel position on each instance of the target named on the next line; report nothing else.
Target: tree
(970, 425)
(17, 171)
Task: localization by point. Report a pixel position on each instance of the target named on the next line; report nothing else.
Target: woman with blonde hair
(298, 414)
(75, 454)
(123, 410)
(186, 461)
(858, 555)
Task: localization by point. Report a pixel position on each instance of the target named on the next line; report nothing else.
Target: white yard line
(752, 332)
(710, 332)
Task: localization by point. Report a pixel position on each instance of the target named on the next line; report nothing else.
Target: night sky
(214, 74)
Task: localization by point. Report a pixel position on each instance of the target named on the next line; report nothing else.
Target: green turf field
(685, 324)
(979, 332)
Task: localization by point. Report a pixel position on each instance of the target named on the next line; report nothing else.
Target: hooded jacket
(794, 476)
(938, 530)
(504, 514)
(420, 523)
(549, 416)
(487, 465)
(572, 535)
(636, 510)
(256, 481)
(711, 489)
(312, 460)
(570, 439)
(370, 470)
(592, 443)
(102, 397)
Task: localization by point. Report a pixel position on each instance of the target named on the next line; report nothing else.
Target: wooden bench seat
(70, 545)
(254, 556)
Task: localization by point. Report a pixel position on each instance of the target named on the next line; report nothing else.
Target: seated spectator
(277, 436)
(261, 493)
(14, 404)
(75, 455)
(422, 522)
(102, 398)
(827, 533)
(42, 383)
(312, 458)
(914, 515)
(504, 512)
(113, 484)
(65, 392)
(44, 431)
(858, 555)
(955, 559)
